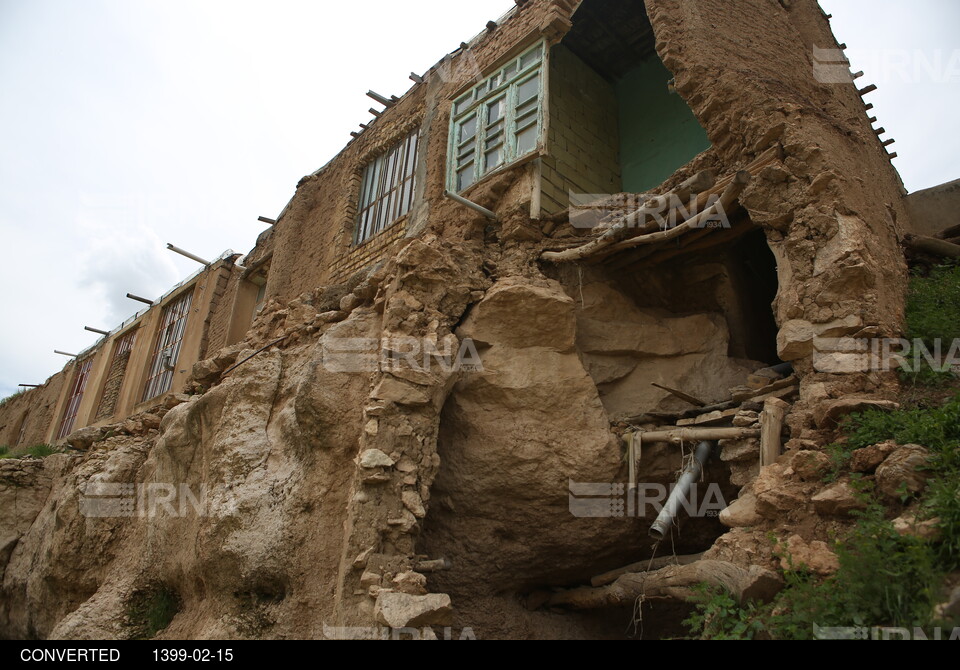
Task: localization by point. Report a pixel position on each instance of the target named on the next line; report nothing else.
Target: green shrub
(884, 579)
(933, 305)
(718, 616)
(37, 451)
(40, 450)
(923, 374)
(840, 456)
(938, 429)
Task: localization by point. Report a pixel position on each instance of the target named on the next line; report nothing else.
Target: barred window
(115, 374)
(76, 395)
(169, 341)
(386, 193)
(497, 122)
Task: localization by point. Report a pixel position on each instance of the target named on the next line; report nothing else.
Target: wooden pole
(702, 180)
(729, 196)
(949, 233)
(674, 581)
(771, 427)
(933, 246)
(680, 435)
(644, 566)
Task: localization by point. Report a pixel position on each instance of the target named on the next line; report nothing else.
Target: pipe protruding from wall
(187, 254)
(145, 301)
(96, 330)
(64, 353)
(681, 492)
(472, 205)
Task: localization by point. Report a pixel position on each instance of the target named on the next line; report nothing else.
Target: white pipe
(681, 492)
(178, 250)
(472, 205)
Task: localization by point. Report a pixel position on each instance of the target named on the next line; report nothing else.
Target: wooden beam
(949, 233)
(931, 245)
(682, 435)
(674, 581)
(644, 566)
(726, 202)
(771, 427)
(383, 100)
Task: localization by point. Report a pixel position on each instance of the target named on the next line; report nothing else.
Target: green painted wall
(658, 132)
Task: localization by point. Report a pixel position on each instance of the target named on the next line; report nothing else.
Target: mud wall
(33, 412)
(833, 210)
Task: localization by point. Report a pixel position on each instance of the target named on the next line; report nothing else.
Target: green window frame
(498, 121)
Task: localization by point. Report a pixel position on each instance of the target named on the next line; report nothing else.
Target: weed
(4, 401)
(933, 305)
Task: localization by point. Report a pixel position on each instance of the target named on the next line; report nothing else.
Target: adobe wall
(329, 485)
(933, 210)
(313, 239)
(832, 210)
(36, 407)
(115, 387)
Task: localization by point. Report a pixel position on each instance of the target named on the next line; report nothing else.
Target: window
(386, 191)
(259, 280)
(76, 395)
(497, 122)
(169, 340)
(118, 368)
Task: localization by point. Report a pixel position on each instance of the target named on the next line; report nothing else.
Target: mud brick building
(425, 496)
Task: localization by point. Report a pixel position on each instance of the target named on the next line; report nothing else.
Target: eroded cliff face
(293, 493)
(341, 467)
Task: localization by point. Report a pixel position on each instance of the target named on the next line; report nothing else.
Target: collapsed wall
(339, 492)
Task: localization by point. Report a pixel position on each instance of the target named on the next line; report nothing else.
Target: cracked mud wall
(833, 209)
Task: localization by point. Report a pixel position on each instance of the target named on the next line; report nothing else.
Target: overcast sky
(127, 124)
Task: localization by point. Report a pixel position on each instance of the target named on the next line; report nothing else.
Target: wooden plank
(713, 418)
(680, 394)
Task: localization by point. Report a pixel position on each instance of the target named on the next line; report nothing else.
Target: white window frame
(387, 188)
(471, 157)
(166, 353)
